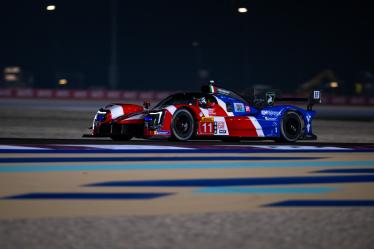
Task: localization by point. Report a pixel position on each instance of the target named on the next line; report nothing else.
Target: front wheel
(182, 125)
(291, 127)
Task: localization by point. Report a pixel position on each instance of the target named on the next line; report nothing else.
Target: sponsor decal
(308, 118)
(222, 132)
(222, 91)
(239, 107)
(270, 119)
(270, 97)
(220, 125)
(247, 109)
(207, 119)
(163, 132)
(270, 113)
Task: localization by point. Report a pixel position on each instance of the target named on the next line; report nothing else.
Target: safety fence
(29, 93)
(83, 94)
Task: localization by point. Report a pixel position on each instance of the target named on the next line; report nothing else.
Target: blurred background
(102, 51)
(177, 45)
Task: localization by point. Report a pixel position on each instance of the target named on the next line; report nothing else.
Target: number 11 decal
(206, 128)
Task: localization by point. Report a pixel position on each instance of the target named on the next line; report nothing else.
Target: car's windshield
(231, 94)
(179, 98)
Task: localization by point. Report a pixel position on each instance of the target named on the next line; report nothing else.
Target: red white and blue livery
(214, 113)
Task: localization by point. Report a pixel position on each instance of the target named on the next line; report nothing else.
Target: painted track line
(180, 166)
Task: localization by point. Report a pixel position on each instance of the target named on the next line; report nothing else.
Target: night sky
(279, 43)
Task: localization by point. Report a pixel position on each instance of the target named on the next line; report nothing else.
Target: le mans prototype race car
(212, 113)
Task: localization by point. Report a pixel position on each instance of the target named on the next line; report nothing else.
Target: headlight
(154, 119)
(156, 116)
(101, 116)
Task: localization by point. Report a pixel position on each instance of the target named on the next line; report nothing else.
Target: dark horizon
(162, 44)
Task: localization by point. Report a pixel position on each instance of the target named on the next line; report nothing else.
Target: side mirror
(146, 104)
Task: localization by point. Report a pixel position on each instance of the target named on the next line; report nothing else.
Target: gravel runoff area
(288, 228)
(48, 123)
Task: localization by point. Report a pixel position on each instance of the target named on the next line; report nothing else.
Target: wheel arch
(194, 117)
(193, 112)
(298, 110)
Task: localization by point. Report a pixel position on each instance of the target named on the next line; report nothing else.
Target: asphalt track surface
(58, 190)
(61, 193)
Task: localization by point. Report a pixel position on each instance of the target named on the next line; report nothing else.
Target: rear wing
(314, 98)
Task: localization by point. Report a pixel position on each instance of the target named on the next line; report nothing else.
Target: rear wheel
(182, 125)
(291, 127)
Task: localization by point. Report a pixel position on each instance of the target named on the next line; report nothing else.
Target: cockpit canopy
(186, 99)
(205, 98)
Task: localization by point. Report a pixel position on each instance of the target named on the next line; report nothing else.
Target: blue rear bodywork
(270, 117)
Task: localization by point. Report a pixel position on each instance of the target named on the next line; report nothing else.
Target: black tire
(121, 138)
(291, 127)
(182, 125)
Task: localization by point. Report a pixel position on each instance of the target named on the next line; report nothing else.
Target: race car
(214, 113)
